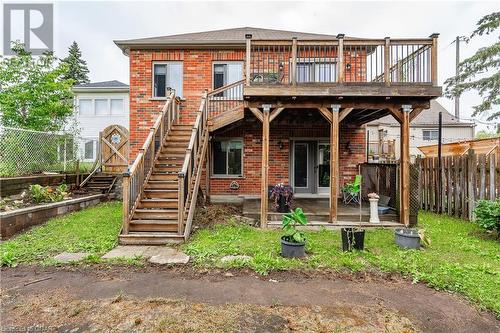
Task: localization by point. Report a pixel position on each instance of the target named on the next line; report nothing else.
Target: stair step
(160, 193)
(98, 187)
(164, 177)
(153, 225)
(151, 238)
(155, 214)
(158, 203)
(162, 184)
(177, 151)
(167, 168)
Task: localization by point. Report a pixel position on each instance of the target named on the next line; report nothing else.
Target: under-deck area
(317, 210)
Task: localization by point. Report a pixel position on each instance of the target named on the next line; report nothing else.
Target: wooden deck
(317, 211)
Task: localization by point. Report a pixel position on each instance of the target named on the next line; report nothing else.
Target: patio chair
(351, 192)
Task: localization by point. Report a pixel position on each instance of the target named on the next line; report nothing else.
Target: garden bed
(16, 185)
(18, 220)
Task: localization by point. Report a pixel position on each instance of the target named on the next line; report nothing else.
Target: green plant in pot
(293, 241)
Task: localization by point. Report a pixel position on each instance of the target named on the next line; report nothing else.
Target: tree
(483, 134)
(33, 91)
(78, 70)
(481, 72)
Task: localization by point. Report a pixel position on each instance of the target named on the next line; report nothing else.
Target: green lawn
(461, 257)
(93, 230)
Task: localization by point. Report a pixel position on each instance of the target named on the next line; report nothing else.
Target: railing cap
(434, 35)
(340, 36)
(248, 36)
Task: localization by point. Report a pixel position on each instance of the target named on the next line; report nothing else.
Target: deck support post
(404, 165)
(334, 162)
(207, 170)
(264, 200)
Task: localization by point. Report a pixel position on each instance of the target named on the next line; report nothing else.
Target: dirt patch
(210, 215)
(179, 300)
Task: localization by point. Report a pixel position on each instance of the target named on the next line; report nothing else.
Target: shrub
(488, 214)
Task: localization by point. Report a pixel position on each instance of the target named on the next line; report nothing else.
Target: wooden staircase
(100, 182)
(156, 218)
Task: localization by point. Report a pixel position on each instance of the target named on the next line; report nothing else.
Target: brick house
(232, 112)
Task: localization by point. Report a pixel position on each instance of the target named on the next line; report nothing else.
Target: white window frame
(430, 138)
(177, 93)
(218, 62)
(312, 63)
(226, 175)
(108, 113)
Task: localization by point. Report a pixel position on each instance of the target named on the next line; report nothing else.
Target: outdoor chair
(351, 192)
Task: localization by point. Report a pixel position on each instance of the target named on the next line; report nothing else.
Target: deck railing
(225, 99)
(190, 175)
(295, 62)
(138, 174)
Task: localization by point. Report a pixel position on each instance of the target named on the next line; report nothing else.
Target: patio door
(310, 165)
(303, 166)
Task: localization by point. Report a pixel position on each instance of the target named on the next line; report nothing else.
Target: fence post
(471, 183)
(64, 165)
(126, 201)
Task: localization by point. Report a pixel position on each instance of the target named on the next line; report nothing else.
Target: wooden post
(126, 199)
(387, 61)
(471, 183)
(248, 58)
(207, 170)
(334, 162)
(77, 176)
(434, 58)
(264, 204)
(340, 57)
(294, 61)
(405, 166)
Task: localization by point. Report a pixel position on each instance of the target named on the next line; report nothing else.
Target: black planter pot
(282, 206)
(352, 239)
(292, 250)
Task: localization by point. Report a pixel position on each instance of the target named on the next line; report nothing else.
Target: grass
(93, 230)
(461, 257)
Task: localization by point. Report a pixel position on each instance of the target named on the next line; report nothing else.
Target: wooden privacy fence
(454, 188)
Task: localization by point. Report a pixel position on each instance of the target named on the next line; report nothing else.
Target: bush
(488, 214)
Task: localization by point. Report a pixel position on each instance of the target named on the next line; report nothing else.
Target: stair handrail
(139, 172)
(190, 174)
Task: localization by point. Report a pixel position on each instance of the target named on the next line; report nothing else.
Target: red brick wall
(290, 124)
(197, 71)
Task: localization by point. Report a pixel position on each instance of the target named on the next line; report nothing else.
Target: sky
(95, 24)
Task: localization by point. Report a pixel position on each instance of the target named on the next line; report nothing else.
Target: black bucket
(352, 239)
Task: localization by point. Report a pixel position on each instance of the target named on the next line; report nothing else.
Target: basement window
(430, 135)
(227, 157)
(167, 76)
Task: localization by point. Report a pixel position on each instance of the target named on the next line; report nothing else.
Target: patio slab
(155, 254)
(66, 257)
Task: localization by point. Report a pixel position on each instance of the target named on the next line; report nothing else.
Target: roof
(113, 85)
(235, 36)
(426, 118)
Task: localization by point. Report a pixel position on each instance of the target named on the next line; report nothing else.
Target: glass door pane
(300, 164)
(323, 164)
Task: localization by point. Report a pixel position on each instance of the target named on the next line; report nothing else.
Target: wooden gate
(114, 147)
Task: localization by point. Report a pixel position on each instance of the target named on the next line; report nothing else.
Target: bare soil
(161, 299)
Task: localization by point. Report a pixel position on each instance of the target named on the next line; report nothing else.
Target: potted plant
(282, 197)
(293, 242)
(353, 238)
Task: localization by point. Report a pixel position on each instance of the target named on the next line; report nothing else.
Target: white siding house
(423, 130)
(98, 105)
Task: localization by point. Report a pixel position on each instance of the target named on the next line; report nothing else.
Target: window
(116, 106)
(89, 150)
(167, 75)
(227, 157)
(86, 107)
(101, 107)
(227, 73)
(430, 135)
(318, 70)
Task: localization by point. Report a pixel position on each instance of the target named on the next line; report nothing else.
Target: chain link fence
(24, 152)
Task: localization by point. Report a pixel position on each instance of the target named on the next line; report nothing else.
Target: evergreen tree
(78, 70)
(481, 72)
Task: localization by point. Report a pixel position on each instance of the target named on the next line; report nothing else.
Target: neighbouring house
(479, 146)
(383, 134)
(232, 112)
(98, 105)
